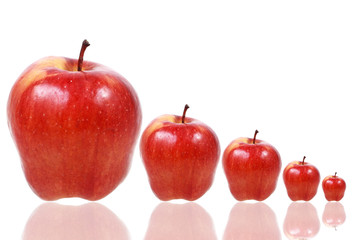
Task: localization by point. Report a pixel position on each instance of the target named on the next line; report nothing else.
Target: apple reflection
(301, 221)
(180, 221)
(252, 221)
(334, 214)
(52, 221)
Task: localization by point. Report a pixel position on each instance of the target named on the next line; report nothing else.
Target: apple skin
(252, 170)
(301, 180)
(180, 158)
(333, 187)
(75, 131)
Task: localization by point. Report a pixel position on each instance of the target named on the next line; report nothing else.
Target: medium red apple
(180, 155)
(301, 180)
(252, 168)
(75, 124)
(334, 187)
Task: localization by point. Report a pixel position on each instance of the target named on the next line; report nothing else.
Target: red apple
(252, 168)
(75, 124)
(180, 155)
(301, 180)
(334, 187)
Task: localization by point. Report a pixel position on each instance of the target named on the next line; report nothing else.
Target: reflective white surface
(252, 221)
(180, 221)
(187, 220)
(88, 221)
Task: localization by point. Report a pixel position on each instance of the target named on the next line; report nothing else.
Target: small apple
(301, 180)
(252, 168)
(180, 155)
(75, 125)
(334, 187)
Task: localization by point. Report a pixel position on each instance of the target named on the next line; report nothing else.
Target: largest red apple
(75, 124)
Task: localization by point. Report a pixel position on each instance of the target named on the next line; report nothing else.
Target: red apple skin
(75, 131)
(180, 158)
(252, 170)
(301, 180)
(333, 187)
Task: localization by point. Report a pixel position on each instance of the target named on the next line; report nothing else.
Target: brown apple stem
(254, 139)
(183, 116)
(303, 161)
(335, 174)
(85, 44)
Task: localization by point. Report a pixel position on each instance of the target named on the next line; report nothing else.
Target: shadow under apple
(52, 221)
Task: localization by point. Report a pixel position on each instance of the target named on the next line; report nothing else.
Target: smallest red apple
(301, 180)
(334, 187)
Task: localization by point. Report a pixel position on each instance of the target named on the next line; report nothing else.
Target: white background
(287, 68)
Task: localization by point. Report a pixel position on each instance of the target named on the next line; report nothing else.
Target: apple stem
(254, 139)
(85, 44)
(183, 116)
(335, 174)
(303, 161)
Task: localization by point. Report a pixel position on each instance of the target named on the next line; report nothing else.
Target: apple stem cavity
(254, 139)
(85, 44)
(183, 116)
